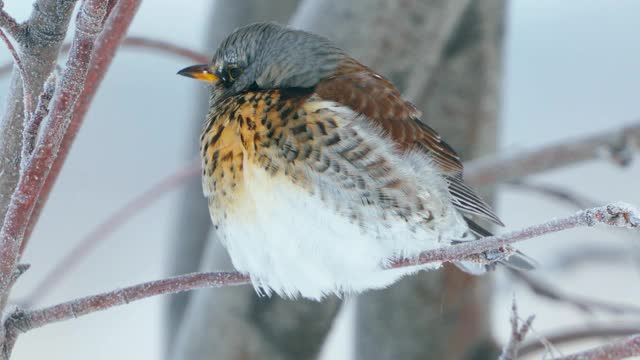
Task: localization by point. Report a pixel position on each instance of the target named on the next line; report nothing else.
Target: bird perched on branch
(319, 174)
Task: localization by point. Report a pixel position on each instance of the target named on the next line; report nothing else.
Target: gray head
(267, 56)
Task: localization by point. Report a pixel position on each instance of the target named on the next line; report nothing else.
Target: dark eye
(233, 72)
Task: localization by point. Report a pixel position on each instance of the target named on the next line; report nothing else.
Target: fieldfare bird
(319, 174)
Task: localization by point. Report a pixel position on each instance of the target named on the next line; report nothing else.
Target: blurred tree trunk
(233, 323)
(445, 56)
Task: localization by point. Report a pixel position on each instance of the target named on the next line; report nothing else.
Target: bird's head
(267, 56)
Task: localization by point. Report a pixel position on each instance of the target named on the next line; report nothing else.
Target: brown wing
(379, 100)
(370, 94)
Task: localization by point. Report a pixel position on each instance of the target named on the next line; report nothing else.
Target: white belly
(292, 243)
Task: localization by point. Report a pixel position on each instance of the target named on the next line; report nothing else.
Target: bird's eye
(233, 72)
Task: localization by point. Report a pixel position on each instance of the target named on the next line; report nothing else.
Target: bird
(319, 174)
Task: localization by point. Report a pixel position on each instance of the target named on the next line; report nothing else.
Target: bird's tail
(516, 260)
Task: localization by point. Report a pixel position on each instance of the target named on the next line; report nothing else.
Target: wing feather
(375, 97)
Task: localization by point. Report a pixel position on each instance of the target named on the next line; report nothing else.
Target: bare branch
(620, 349)
(574, 335)
(617, 215)
(23, 200)
(21, 70)
(615, 144)
(34, 120)
(115, 26)
(39, 48)
(24, 321)
(10, 25)
(144, 43)
(590, 306)
(518, 333)
(120, 217)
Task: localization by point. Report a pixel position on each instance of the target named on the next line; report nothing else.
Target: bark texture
(38, 44)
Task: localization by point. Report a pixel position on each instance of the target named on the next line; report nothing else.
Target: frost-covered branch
(22, 321)
(32, 126)
(112, 223)
(592, 332)
(621, 349)
(518, 333)
(21, 70)
(10, 25)
(616, 144)
(38, 49)
(618, 215)
(143, 43)
(23, 199)
(107, 43)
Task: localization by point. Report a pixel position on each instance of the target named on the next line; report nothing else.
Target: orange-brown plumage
(318, 172)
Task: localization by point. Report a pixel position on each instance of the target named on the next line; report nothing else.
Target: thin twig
(619, 215)
(505, 168)
(94, 237)
(10, 25)
(23, 72)
(23, 200)
(621, 349)
(144, 43)
(591, 332)
(75, 308)
(33, 122)
(107, 44)
(518, 333)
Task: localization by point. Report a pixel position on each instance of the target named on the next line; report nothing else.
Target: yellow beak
(199, 72)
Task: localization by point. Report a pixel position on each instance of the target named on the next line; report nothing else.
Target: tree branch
(8, 23)
(617, 215)
(144, 43)
(38, 48)
(106, 45)
(23, 73)
(94, 237)
(32, 126)
(620, 349)
(518, 333)
(575, 335)
(23, 200)
(616, 144)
